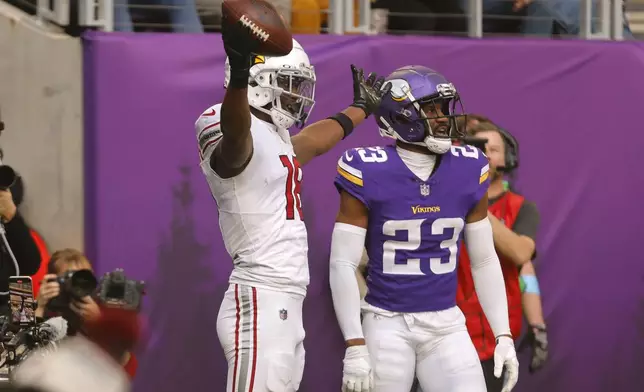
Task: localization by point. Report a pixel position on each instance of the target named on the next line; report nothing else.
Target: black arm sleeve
(23, 245)
(527, 222)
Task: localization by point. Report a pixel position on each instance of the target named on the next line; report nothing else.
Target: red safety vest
(506, 209)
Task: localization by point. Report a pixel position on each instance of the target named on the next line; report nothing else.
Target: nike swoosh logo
(348, 157)
(211, 113)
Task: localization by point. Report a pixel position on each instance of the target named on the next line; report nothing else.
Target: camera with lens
(74, 285)
(116, 290)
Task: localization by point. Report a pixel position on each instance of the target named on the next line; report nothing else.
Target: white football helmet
(282, 87)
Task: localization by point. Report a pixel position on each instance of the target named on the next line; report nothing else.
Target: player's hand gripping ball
(255, 26)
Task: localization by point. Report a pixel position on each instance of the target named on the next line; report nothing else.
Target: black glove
(239, 46)
(537, 338)
(368, 93)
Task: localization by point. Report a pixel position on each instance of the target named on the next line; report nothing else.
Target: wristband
(509, 335)
(239, 78)
(344, 121)
(531, 284)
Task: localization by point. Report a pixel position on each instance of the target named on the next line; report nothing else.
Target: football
(263, 22)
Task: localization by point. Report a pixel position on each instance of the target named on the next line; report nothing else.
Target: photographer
(61, 263)
(79, 312)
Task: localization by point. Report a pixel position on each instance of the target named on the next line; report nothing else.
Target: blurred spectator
(423, 16)
(21, 256)
(181, 14)
(83, 311)
(18, 194)
(210, 11)
(566, 15)
(514, 223)
(305, 17)
(535, 17)
(136, 15)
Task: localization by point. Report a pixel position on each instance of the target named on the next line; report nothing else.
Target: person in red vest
(515, 222)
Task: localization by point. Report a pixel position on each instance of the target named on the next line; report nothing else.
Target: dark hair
(64, 257)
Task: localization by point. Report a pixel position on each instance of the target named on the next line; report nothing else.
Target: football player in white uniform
(253, 168)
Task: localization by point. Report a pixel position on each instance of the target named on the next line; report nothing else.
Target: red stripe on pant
(254, 366)
(247, 302)
(238, 317)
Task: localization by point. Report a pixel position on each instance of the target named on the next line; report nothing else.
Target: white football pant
(433, 346)
(262, 335)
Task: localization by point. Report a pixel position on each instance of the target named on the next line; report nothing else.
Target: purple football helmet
(402, 114)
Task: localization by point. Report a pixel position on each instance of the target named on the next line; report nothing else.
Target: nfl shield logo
(424, 189)
(283, 314)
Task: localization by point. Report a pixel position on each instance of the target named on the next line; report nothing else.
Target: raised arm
(236, 146)
(322, 136)
(233, 152)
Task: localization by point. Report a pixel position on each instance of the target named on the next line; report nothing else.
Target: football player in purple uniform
(410, 204)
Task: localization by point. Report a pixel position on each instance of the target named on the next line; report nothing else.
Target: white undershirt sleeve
(347, 244)
(487, 274)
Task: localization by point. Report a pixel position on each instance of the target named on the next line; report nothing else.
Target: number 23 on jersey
(379, 155)
(414, 229)
(293, 187)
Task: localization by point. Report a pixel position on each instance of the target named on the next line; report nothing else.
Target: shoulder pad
(353, 167)
(468, 151)
(366, 154)
(474, 165)
(356, 160)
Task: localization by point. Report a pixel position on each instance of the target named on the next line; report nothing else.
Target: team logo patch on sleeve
(485, 172)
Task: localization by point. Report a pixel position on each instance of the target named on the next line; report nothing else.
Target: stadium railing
(342, 16)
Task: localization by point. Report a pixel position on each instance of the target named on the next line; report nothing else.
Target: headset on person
(511, 151)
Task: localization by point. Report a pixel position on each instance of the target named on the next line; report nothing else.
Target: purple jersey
(415, 226)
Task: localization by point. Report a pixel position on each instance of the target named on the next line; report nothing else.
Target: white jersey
(260, 210)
